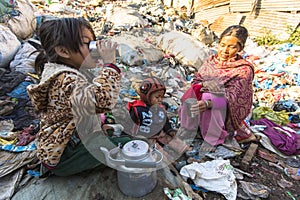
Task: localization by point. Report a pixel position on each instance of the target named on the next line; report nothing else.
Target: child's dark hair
(237, 31)
(64, 32)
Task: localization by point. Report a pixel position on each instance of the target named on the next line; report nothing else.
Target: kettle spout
(110, 161)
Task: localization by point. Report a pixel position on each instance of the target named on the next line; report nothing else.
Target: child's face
(78, 60)
(228, 48)
(157, 97)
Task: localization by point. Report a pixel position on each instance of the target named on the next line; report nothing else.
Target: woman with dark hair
(223, 88)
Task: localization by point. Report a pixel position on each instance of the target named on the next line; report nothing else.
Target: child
(150, 117)
(64, 96)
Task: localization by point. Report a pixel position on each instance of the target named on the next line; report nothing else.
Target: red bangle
(111, 65)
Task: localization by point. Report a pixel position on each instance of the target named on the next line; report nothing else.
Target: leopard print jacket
(63, 97)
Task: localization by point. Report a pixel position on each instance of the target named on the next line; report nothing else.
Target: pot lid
(135, 149)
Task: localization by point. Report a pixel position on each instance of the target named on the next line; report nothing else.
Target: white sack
(9, 45)
(24, 59)
(24, 25)
(120, 16)
(187, 49)
(135, 51)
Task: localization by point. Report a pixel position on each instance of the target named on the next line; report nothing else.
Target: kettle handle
(139, 164)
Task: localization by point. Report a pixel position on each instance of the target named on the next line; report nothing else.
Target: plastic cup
(189, 102)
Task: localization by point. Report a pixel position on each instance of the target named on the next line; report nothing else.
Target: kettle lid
(135, 149)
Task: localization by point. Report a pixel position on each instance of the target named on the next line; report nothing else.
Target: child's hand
(107, 50)
(106, 129)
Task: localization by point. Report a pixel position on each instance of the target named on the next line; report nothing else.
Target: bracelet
(206, 104)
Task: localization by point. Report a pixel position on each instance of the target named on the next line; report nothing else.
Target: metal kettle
(136, 164)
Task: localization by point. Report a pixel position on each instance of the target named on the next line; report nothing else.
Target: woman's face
(228, 48)
(83, 58)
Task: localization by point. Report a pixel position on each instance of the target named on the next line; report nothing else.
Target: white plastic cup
(189, 102)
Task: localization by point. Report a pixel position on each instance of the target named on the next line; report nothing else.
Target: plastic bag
(23, 25)
(215, 175)
(9, 45)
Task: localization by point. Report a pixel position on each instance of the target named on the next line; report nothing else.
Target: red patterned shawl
(236, 75)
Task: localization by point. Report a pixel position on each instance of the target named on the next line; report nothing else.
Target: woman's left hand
(213, 86)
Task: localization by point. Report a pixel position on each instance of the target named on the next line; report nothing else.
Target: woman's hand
(213, 86)
(200, 107)
(107, 50)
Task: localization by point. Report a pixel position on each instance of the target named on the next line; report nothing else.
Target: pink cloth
(211, 122)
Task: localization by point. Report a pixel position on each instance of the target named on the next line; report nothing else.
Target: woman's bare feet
(232, 144)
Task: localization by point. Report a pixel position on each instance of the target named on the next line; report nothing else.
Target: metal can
(189, 102)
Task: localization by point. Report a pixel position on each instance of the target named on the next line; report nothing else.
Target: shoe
(207, 148)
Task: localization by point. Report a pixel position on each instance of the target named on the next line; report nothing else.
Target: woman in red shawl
(223, 88)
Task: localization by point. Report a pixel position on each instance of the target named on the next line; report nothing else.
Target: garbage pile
(154, 40)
